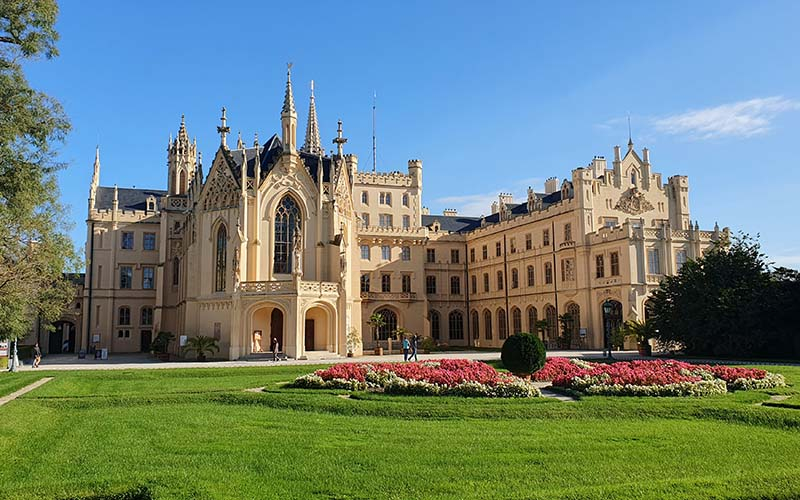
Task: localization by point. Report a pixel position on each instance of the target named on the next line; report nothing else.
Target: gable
(220, 189)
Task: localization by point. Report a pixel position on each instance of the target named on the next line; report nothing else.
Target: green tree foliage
(730, 302)
(34, 247)
(201, 345)
(523, 354)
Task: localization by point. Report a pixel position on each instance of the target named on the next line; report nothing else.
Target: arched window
(221, 257)
(514, 278)
(516, 321)
(502, 329)
(182, 185)
(487, 324)
(551, 332)
(389, 324)
(475, 325)
(435, 324)
(176, 271)
(499, 280)
(532, 320)
(124, 315)
(287, 221)
(456, 324)
(147, 316)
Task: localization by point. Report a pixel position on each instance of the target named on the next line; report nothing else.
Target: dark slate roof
(453, 224)
(269, 155)
(128, 198)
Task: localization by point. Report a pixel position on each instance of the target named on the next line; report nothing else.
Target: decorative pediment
(633, 202)
(220, 189)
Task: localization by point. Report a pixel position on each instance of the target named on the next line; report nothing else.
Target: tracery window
(221, 257)
(287, 221)
(456, 326)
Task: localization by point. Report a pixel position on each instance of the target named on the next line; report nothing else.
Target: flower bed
(653, 378)
(444, 377)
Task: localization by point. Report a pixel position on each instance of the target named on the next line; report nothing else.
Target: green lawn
(194, 434)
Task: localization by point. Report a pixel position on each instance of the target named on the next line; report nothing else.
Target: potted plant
(427, 345)
(376, 321)
(353, 341)
(641, 331)
(160, 345)
(201, 345)
(541, 326)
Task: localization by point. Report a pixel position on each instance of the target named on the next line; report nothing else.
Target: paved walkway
(145, 361)
(27, 388)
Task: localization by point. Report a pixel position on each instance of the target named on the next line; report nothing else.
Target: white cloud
(791, 261)
(476, 204)
(737, 119)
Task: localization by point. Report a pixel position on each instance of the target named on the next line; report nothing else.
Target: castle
(283, 241)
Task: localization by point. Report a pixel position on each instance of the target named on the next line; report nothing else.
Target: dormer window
(151, 203)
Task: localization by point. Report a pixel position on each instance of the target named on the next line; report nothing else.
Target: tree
(376, 321)
(729, 302)
(201, 345)
(639, 330)
(523, 354)
(35, 250)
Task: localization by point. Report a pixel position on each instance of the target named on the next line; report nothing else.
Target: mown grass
(194, 434)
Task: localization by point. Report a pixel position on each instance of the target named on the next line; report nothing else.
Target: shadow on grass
(141, 493)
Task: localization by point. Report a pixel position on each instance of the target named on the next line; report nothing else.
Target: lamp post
(607, 329)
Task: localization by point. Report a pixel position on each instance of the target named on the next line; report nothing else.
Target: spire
(183, 136)
(630, 137)
(239, 143)
(96, 174)
(223, 129)
(288, 99)
(312, 144)
(340, 140)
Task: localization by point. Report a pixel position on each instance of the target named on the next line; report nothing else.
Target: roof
(269, 154)
(128, 198)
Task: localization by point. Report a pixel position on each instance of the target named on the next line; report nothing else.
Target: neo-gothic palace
(284, 241)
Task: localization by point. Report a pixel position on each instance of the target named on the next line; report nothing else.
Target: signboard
(4, 349)
(184, 338)
(96, 338)
(582, 333)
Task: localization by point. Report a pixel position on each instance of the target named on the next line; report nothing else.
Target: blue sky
(491, 96)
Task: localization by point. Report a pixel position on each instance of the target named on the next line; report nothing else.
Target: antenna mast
(374, 141)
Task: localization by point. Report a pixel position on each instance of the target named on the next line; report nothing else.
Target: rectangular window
(455, 285)
(680, 259)
(600, 266)
(405, 200)
(528, 241)
(147, 316)
(386, 252)
(365, 252)
(455, 256)
(548, 273)
(124, 334)
(614, 264)
(513, 243)
(406, 222)
(386, 283)
(124, 316)
(386, 199)
(125, 276)
(531, 276)
(148, 278)
(406, 283)
(430, 284)
(567, 232)
(546, 237)
(514, 278)
(499, 280)
(609, 222)
(430, 255)
(498, 249)
(472, 255)
(149, 242)
(364, 198)
(405, 253)
(127, 241)
(567, 270)
(486, 282)
(474, 283)
(485, 252)
(653, 263)
(365, 283)
(365, 219)
(385, 220)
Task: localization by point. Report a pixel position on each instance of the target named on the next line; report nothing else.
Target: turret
(289, 116)
(551, 185)
(415, 172)
(181, 161)
(617, 178)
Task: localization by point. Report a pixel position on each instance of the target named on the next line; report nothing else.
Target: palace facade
(283, 241)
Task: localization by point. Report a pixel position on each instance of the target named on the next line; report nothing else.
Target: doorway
(276, 327)
(146, 340)
(309, 334)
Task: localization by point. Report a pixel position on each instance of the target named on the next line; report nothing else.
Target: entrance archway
(612, 320)
(62, 339)
(318, 330)
(267, 324)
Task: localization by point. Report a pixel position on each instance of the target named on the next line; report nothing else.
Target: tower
(181, 161)
(289, 116)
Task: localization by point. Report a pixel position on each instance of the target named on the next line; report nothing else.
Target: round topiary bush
(523, 354)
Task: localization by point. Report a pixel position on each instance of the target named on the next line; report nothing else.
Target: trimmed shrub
(523, 354)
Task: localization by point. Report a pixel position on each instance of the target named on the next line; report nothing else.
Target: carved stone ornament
(633, 202)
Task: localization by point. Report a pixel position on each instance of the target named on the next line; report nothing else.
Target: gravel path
(24, 390)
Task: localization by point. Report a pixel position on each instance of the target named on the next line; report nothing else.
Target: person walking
(406, 346)
(275, 348)
(414, 346)
(37, 355)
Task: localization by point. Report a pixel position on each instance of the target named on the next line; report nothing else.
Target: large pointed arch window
(220, 258)
(287, 222)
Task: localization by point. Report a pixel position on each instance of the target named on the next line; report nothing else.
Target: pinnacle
(288, 100)
(313, 143)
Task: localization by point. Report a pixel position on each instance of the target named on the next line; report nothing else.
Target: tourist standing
(414, 345)
(37, 355)
(275, 348)
(406, 345)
